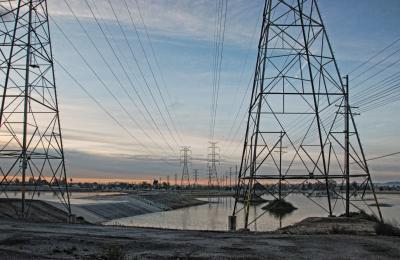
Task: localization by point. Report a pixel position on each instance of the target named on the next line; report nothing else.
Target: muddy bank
(63, 241)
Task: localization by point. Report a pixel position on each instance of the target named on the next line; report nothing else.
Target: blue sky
(182, 32)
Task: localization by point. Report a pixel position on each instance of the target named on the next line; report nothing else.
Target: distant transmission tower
(195, 175)
(300, 104)
(185, 161)
(31, 145)
(213, 159)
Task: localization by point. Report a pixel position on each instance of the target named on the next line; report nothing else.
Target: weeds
(387, 229)
(279, 208)
(362, 215)
(341, 230)
(113, 253)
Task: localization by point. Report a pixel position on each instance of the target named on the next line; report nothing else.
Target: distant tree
(31, 180)
(55, 181)
(155, 184)
(165, 185)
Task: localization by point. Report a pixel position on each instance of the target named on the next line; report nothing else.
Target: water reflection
(214, 215)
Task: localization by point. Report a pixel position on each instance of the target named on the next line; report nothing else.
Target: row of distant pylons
(213, 161)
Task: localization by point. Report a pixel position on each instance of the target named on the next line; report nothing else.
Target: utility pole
(176, 180)
(236, 175)
(280, 151)
(347, 144)
(230, 177)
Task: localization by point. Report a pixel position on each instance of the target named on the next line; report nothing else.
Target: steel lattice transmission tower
(300, 126)
(31, 146)
(212, 161)
(186, 156)
(195, 175)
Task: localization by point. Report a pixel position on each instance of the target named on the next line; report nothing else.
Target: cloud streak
(184, 19)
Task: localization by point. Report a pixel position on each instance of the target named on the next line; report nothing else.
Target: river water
(214, 215)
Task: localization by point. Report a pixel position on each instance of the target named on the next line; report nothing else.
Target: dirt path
(62, 241)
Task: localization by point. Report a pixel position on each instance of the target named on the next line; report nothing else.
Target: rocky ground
(62, 241)
(333, 225)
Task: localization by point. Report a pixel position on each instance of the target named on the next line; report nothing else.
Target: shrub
(385, 229)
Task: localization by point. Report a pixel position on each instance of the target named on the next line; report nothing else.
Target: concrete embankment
(100, 208)
(35, 211)
(108, 207)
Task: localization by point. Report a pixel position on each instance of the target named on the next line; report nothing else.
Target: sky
(182, 34)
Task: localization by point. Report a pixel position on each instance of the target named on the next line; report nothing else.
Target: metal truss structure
(31, 147)
(185, 156)
(213, 158)
(196, 176)
(300, 129)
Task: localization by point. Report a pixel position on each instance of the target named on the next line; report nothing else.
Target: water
(214, 215)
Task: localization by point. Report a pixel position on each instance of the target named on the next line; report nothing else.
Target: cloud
(186, 19)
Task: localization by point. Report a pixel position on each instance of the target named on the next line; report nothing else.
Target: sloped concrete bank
(99, 208)
(108, 207)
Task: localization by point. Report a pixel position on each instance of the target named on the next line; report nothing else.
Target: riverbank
(79, 241)
(97, 208)
(115, 206)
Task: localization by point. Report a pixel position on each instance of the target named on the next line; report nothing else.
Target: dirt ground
(81, 241)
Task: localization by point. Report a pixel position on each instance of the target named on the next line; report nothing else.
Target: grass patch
(279, 207)
(255, 200)
(382, 205)
(361, 215)
(113, 253)
(336, 229)
(386, 229)
(70, 250)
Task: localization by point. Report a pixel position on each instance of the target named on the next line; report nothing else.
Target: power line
(374, 56)
(382, 156)
(148, 63)
(113, 73)
(379, 72)
(154, 53)
(129, 78)
(222, 10)
(104, 109)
